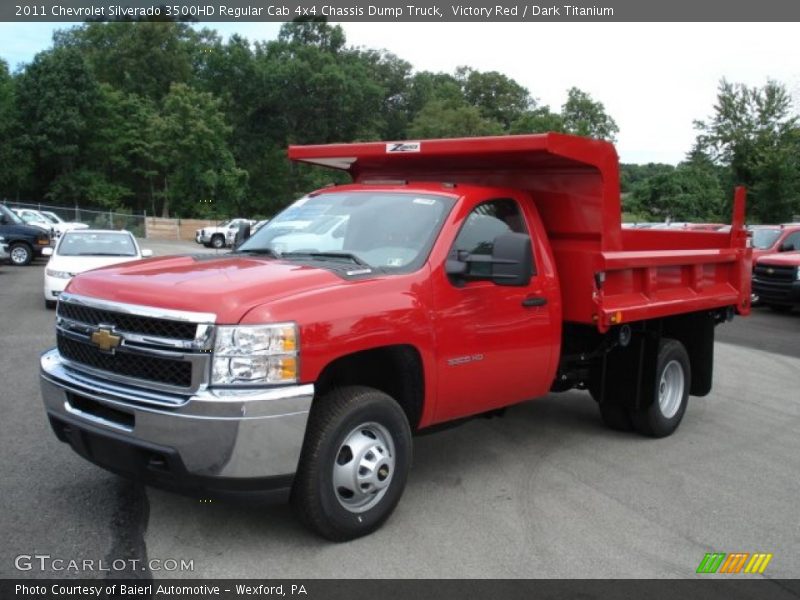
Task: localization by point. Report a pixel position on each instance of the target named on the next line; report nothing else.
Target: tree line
(161, 117)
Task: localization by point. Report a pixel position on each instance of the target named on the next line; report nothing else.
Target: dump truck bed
(608, 275)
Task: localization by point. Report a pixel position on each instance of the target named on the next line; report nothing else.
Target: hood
(79, 264)
(227, 285)
(786, 259)
(22, 230)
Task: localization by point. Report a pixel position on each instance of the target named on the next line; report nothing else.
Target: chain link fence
(95, 219)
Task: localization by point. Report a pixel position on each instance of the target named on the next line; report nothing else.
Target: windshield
(765, 238)
(96, 244)
(385, 230)
(10, 216)
(53, 217)
(33, 218)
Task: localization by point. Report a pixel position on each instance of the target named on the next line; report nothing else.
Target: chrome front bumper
(215, 436)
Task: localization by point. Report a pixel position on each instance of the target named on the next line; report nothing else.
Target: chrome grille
(775, 272)
(160, 349)
(170, 372)
(179, 330)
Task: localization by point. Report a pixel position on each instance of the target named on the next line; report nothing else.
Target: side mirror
(511, 262)
(47, 251)
(512, 259)
(786, 247)
(3, 220)
(146, 253)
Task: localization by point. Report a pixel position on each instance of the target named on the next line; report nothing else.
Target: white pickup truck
(216, 237)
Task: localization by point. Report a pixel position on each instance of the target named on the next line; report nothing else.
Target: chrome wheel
(364, 467)
(670, 389)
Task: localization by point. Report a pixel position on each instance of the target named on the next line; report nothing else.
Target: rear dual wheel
(667, 404)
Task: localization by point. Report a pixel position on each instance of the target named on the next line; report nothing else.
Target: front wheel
(670, 395)
(354, 463)
(50, 304)
(218, 242)
(21, 254)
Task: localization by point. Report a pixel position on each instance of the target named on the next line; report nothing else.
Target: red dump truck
(452, 278)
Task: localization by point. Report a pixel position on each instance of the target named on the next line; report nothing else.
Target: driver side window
(487, 221)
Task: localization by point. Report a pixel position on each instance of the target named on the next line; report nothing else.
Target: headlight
(255, 354)
(58, 274)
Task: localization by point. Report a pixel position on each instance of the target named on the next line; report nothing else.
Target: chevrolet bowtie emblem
(105, 340)
(770, 271)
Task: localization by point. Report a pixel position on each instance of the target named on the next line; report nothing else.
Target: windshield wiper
(344, 255)
(100, 254)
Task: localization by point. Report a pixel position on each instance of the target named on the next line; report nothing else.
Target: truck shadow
(526, 434)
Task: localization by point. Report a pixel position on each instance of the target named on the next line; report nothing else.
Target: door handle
(534, 301)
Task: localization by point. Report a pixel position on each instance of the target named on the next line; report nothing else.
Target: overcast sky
(654, 78)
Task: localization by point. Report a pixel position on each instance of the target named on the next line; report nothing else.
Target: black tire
(50, 304)
(652, 420)
(218, 241)
(20, 254)
(335, 418)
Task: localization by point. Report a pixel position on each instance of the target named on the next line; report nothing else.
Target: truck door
(495, 343)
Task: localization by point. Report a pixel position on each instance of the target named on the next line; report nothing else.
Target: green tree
(143, 57)
(538, 120)
(15, 161)
(689, 192)
(440, 119)
(498, 97)
(753, 133)
(58, 100)
(584, 116)
(193, 156)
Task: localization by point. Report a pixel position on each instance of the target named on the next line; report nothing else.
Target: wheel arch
(396, 370)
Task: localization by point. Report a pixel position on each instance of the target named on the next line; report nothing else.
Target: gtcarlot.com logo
(46, 562)
(735, 562)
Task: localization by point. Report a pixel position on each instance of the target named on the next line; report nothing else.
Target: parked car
(769, 239)
(33, 218)
(60, 224)
(217, 237)
(85, 249)
(24, 241)
(776, 280)
(303, 375)
(3, 249)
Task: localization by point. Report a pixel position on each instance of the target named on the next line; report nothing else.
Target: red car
(769, 239)
(776, 280)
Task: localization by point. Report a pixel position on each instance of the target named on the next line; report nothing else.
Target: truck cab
(471, 275)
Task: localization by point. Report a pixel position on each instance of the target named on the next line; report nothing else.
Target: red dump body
(608, 275)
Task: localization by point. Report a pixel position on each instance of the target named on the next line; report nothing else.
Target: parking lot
(545, 492)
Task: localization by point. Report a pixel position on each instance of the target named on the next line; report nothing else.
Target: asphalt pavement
(544, 492)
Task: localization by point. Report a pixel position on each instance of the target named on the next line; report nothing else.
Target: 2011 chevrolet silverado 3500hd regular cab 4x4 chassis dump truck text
(464, 276)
